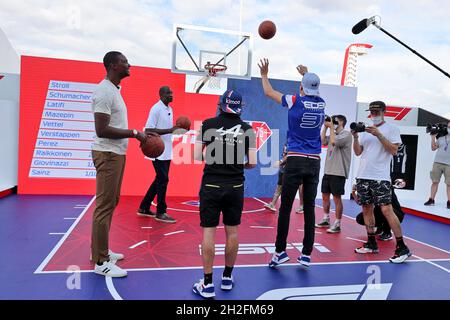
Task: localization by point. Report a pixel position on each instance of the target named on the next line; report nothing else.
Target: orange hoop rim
(213, 69)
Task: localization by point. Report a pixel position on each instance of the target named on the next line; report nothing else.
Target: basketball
(153, 147)
(183, 122)
(267, 29)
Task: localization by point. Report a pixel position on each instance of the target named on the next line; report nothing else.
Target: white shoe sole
(325, 226)
(112, 275)
(203, 294)
(304, 263)
(226, 288)
(273, 264)
(145, 215)
(333, 231)
(166, 221)
(367, 252)
(400, 259)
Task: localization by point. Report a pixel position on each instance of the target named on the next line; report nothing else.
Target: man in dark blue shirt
(305, 118)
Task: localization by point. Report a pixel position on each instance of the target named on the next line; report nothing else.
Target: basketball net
(211, 77)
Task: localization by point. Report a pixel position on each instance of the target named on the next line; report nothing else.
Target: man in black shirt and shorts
(227, 140)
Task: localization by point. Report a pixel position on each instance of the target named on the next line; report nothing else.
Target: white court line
(260, 227)
(264, 203)
(256, 265)
(112, 290)
(432, 263)
(426, 244)
(40, 268)
(175, 232)
(137, 244)
(197, 211)
(61, 241)
(70, 218)
(146, 227)
(415, 256)
(423, 243)
(359, 240)
(56, 233)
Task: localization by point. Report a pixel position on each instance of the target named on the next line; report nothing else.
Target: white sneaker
(112, 255)
(206, 291)
(299, 209)
(115, 256)
(109, 269)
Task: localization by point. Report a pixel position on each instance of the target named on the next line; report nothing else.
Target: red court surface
(150, 245)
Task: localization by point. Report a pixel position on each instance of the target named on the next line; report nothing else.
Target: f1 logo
(398, 113)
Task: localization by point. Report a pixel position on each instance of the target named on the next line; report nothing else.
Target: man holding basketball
(227, 140)
(160, 121)
(108, 154)
(305, 118)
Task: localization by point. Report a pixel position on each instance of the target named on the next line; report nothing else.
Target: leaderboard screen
(56, 128)
(66, 133)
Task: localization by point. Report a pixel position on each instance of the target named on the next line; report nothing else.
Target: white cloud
(315, 33)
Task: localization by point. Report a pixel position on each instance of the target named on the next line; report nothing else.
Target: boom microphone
(360, 26)
(364, 23)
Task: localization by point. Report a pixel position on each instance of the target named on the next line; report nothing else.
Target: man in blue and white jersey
(305, 118)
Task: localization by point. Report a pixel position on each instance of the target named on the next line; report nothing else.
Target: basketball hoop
(211, 76)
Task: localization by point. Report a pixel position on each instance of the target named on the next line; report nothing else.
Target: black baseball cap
(377, 106)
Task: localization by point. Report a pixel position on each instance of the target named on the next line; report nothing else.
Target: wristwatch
(135, 133)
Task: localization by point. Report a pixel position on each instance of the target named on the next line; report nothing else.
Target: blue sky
(314, 33)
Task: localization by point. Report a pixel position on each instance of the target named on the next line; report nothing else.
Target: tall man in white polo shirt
(160, 121)
(108, 154)
(376, 146)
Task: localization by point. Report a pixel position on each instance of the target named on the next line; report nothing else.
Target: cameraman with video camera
(376, 145)
(440, 140)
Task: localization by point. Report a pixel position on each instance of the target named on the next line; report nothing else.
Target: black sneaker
(448, 204)
(165, 218)
(385, 236)
(430, 202)
(145, 213)
(400, 255)
(325, 223)
(367, 248)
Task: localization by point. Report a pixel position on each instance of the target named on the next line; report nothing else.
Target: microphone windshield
(360, 26)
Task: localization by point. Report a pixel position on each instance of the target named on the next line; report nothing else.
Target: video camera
(439, 129)
(358, 126)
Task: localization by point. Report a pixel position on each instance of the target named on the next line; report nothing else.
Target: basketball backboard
(195, 46)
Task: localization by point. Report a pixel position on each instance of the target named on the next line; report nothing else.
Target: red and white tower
(350, 69)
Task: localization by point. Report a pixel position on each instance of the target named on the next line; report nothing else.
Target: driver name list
(66, 133)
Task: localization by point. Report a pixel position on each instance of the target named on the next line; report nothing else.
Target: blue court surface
(36, 229)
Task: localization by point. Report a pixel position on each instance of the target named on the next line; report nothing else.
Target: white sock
(326, 216)
(337, 222)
